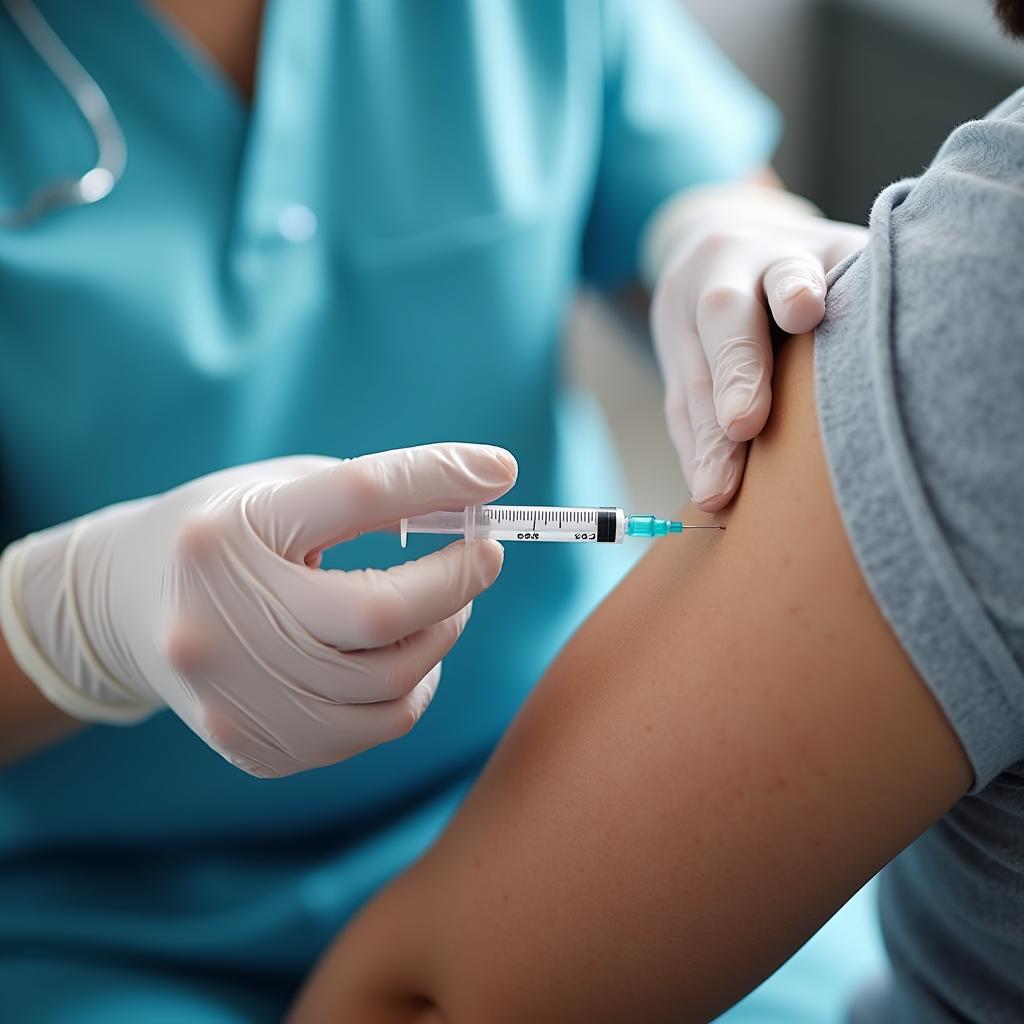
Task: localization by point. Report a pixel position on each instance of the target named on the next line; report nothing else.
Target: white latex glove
(209, 599)
(723, 260)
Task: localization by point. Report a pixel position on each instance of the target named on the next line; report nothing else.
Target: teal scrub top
(379, 253)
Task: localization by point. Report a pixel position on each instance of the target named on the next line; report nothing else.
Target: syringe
(543, 523)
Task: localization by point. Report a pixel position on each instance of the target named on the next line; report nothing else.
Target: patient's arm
(730, 746)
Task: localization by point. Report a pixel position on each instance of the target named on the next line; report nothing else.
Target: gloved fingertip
(794, 285)
(492, 554)
(488, 469)
(714, 503)
(743, 413)
(500, 553)
(423, 693)
(734, 405)
(802, 313)
(433, 680)
(713, 488)
(507, 459)
(749, 425)
(705, 484)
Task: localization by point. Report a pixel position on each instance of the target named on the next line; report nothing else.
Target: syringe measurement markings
(539, 517)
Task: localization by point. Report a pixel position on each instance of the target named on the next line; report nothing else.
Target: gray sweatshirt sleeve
(919, 377)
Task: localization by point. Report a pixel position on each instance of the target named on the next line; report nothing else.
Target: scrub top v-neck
(379, 253)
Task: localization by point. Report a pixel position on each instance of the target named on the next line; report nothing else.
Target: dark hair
(1011, 16)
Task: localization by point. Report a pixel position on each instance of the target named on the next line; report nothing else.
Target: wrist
(42, 583)
(674, 221)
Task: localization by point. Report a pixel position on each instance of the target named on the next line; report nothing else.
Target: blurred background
(868, 89)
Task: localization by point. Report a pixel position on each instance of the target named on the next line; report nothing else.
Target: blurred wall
(770, 40)
(869, 88)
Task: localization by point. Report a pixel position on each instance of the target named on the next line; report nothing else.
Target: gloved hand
(209, 599)
(723, 260)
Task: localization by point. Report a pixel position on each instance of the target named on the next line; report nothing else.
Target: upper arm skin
(729, 747)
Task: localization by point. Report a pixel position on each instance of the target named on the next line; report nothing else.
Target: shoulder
(960, 225)
(948, 254)
(965, 215)
(919, 379)
(939, 284)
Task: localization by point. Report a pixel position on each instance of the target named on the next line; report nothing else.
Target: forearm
(28, 721)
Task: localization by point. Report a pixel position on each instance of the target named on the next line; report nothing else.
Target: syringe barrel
(576, 525)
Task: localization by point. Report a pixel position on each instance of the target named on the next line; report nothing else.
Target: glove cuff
(97, 697)
(674, 218)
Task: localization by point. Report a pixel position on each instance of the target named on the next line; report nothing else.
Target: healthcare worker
(234, 234)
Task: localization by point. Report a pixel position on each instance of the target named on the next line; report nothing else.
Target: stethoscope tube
(111, 148)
